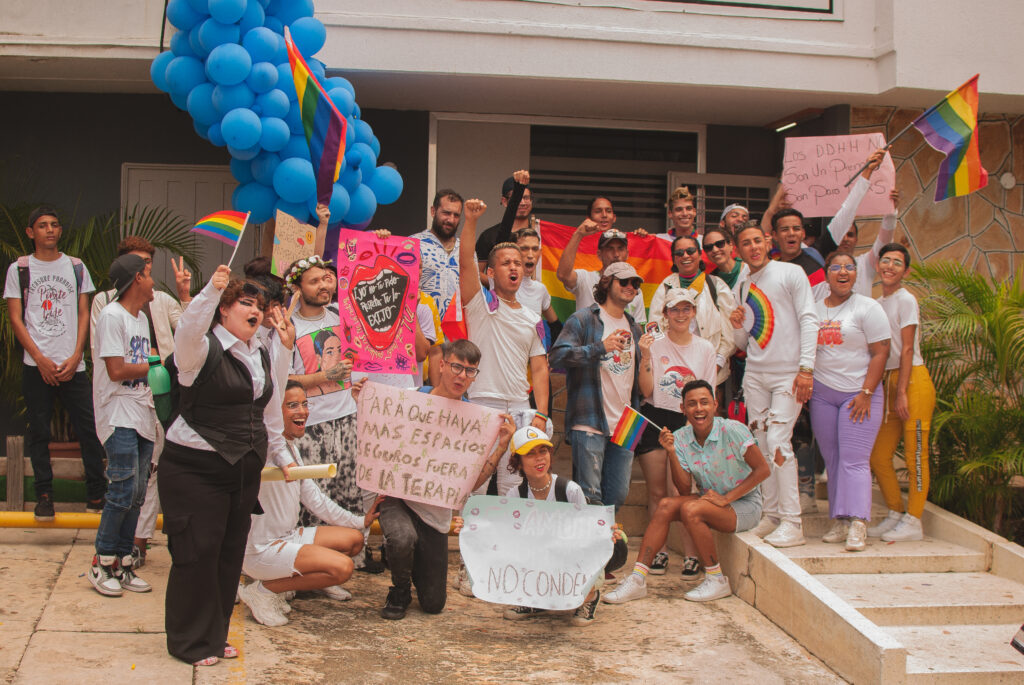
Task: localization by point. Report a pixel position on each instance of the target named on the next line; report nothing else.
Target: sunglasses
(836, 268)
(457, 368)
(633, 283)
(717, 245)
(683, 251)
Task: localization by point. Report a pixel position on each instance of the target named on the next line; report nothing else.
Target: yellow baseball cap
(528, 437)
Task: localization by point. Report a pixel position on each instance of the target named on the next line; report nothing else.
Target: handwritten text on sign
(533, 553)
(814, 170)
(293, 240)
(421, 447)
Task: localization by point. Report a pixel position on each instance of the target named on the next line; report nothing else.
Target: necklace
(511, 303)
(323, 313)
(829, 315)
(543, 488)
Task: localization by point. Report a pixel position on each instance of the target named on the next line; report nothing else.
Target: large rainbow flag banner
(650, 256)
(630, 427)
(322, 122)
(226, 226)
(951, 127)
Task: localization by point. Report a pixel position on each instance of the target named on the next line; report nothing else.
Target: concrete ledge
(1008, 561)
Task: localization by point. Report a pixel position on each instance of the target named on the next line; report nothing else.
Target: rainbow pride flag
(322, 122)
(226, 226)
(650, 256)
(630, 427)
(764, 316)
(951, 127)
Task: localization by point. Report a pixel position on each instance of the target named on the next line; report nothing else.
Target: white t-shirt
(584, 292)
(902, 311)
(780, 326)
(573, 492)
(413, 379)
(329, 401)
(534, 296)
(844, 333)
(675, 365)
(127, 403)
(51, 313)
(617, 372)
(507, 339)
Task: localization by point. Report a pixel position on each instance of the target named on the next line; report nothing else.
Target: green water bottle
(160, 384)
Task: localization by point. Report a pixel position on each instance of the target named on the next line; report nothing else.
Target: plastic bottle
(160, 384)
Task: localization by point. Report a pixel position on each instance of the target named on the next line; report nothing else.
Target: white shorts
(276, 559)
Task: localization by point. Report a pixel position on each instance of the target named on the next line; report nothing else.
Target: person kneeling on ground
(728, 465)
(283, 558)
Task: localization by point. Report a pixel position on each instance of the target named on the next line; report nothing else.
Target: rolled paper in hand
(300, 472)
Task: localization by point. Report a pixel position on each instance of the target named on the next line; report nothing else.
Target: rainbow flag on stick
(225, 226)
(323, 124)
(630, 427)
(951, 127)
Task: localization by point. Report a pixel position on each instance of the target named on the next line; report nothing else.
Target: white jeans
(772, 411)
(523, 415)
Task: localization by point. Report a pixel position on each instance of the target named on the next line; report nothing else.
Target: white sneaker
(288, 595)
(909, 528)
(710, 589)
(465, 583)
(264, 606)
(282, 602)
(857, 537)
(129, 581)
(337, 593)
(838, 531)
(103, 576)
(788, 534)
(808, 505)
(887, 524)
(629, 589)
(766, 526)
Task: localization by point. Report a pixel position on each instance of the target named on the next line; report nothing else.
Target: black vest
(219, 406)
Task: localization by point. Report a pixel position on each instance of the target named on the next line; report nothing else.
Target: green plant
(973, 344)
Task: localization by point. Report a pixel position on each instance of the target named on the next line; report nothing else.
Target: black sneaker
(659, 566)
(691, 568)
(397, 602)
(371, 565)
(44, 508)
(584, 615)
(519, 613)
(95, 506)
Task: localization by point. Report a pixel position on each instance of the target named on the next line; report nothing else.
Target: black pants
(417, 553)
(76, 397)
(207, 506)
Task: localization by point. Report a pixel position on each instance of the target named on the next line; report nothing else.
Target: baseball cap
(677, 295)
(610, 235)
(123, 271)
(528, 437)
(621, 270)
(735, 205)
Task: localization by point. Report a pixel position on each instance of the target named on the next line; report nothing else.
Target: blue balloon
(271, 6)
(296, 147)
(361, 155)
(285, 81)
(241, 170)
(183, 74)
(182, 16)
(196, 44)
(338, 205)
(351, 178)
(227, 98)
(228, 64)
(386, 184)
(254, 16)
(180, 100)
(201, 130)
(215, 136)
(356, 112)
(295, 209)
(273, 103)
(294, 180)
(227, 11)
(180, 45)
(350, 133)
(364, 133)
(309, 35)
(263, 167)
(201, 6)
(294, 120)
(363, 205)
(241, 128)
(256, 198)
(274, 24)
(375, 146)
(246, 153)
(289, 11)
(261, 44)
(317, 67)
(342, 99)
(200, 104)
(212, 34)
(262, 77)
(275, 134)
(340, 82)
(158, 69)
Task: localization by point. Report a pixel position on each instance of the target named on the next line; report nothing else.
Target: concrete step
(922, 556)
(907, 599)
(961, 654)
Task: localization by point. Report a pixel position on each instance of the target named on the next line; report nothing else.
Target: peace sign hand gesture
(182, 280)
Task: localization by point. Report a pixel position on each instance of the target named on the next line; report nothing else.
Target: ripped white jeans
(772, 411)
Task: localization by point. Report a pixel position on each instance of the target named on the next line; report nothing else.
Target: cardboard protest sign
(293, 239)
(378, 288)
(322, 350)
(815, 169)
(533, 553)
(421, 447)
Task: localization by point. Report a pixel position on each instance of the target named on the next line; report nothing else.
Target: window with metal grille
(715, 192)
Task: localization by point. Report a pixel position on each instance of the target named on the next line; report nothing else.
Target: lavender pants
(846, 448)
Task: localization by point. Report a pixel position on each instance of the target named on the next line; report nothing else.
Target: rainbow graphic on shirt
(764, 316)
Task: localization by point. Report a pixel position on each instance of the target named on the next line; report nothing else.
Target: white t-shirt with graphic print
(127, 403)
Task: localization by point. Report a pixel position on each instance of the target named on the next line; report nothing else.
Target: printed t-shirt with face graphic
(330, 400)
(675, 365)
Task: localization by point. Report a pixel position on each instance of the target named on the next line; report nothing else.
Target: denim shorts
(748, 510)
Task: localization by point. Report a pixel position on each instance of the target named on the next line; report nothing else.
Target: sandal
(208, 661)
(230, 652)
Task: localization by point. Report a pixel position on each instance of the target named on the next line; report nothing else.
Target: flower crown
(303, 265)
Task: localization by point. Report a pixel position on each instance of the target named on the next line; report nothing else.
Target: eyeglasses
(890, 261)
(717, 245)
(836, 268)
(457, 368)
(683, 251)
(633, 283)
(292, 406)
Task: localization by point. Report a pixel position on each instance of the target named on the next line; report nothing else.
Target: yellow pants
(914, 431)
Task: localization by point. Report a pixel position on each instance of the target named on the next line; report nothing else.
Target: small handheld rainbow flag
(225, 226)
(630, 427)
(323, 124)
(951, 128)
(764, 316)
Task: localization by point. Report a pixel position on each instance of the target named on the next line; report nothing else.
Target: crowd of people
(752, 329)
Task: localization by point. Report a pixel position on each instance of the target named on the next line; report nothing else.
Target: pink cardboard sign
(421, 447)
(378, 288)
(815, 169)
